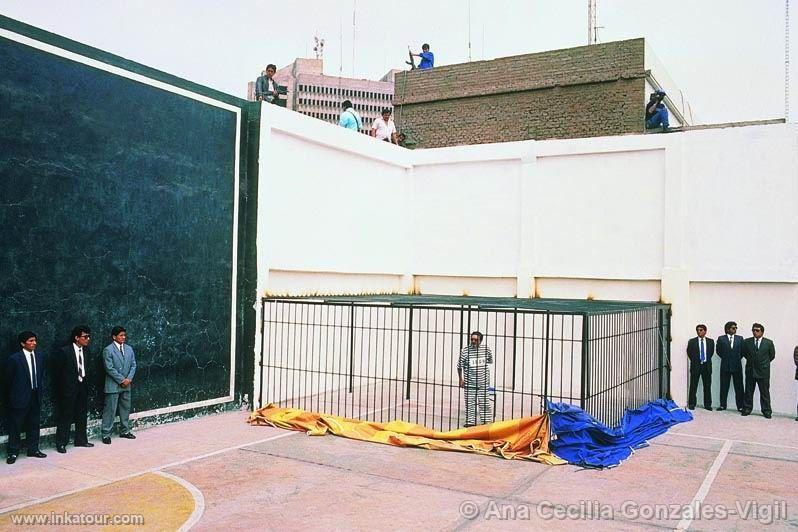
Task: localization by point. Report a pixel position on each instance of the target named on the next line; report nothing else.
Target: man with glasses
(700, 351)
(730, 351)
(759, 352)
(71, 385)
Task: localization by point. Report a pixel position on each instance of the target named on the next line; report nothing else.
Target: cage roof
(564, 306)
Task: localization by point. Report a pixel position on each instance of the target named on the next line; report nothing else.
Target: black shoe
(61, 449)
(721, 408)
(127, 436)
(86, 444)
(796, 418)
(708, 408)
(691, 407)
(11, 459)
(37, 454)
(745, 413)
(768, 415)
(107, 440)
(741, 409)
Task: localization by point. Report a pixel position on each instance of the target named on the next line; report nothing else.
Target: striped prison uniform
(473, 363)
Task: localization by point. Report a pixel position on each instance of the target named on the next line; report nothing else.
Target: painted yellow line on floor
(146, 502)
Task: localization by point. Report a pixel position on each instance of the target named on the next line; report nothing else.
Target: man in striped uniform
(472, 368)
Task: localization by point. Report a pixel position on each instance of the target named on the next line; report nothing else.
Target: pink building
(312, 93)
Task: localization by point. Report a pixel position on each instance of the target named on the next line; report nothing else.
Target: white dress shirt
(30, 367)
(79, 361)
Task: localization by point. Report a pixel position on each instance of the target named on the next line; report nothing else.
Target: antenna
(318, 47)
(341, 46)
(786, 60)
(469, 31)
(592, 27)
(354, 28)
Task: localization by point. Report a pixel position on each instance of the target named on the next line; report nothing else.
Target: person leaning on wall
(120, 368)
(71, 387)
(700, 350)
(24, 381)
(759, 352)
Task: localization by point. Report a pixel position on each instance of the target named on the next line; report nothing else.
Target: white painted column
(525, 273)
(261, 244)
(408, 280)
(675, 284)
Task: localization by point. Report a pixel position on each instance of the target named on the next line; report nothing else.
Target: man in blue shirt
(656, 112)
(349, 118)
(427, 59)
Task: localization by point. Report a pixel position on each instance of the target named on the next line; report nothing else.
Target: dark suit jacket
(64, 374)
(795, 359)
(758, 361)
(262, 87)
(694, 352)
(730, 357)
(18, 378)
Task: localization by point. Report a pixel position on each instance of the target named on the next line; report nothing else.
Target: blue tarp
(582, 440)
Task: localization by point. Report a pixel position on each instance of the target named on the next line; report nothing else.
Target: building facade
(315, 94)
(588, 91)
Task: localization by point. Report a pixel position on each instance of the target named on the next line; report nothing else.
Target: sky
(727, 56)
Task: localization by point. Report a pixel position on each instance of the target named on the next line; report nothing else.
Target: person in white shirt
(265, 86)
(700, 350)
(384, 129)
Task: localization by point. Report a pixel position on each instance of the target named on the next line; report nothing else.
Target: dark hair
(758, 326)
(425, 46)
(728, 325)
(271, 66)
(78, 331)
(346, 105)
(24, 336)
(477, 333)
(386, 110)
(116, 330)
(700, 326)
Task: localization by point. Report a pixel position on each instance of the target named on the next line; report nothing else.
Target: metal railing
(381, 362)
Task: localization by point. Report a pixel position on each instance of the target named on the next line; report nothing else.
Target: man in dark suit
(72, 389)
(25, 379)
(730, 351)
(700, 351)
(120, 367)
(759, 352)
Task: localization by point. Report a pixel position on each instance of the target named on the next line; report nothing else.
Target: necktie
(122, 350)
(703, 353)
(34, 380)
(81, 373)
(757, 344)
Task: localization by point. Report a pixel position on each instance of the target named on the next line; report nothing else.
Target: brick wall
(577, 92)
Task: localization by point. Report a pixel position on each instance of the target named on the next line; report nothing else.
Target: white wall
(704, 220)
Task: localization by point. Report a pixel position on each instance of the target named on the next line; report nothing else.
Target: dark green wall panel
(116, 207)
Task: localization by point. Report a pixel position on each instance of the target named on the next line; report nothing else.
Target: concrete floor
(245, 478)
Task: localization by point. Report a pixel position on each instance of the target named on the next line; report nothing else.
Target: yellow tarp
(525, 438)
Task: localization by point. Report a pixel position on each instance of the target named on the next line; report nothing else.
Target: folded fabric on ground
(582, 440)
(518, 439)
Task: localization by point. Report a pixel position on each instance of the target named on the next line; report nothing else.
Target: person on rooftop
(384, 129)
(656, 112)
(427, 57)
(349, 117)
(265, 86)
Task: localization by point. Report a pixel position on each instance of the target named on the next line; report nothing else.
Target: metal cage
(381, 358)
